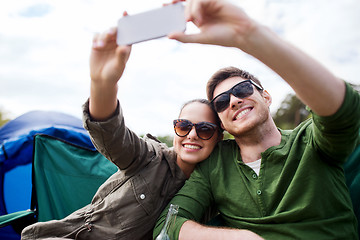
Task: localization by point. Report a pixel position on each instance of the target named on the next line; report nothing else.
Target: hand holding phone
(151, 24)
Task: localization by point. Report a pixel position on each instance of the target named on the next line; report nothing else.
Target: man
(277, 184)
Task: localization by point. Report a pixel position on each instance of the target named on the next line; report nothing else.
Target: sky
(45, 47)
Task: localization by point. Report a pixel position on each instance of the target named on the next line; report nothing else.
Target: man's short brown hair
(223, 74)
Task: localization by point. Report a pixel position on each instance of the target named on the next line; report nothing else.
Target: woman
(127, 205)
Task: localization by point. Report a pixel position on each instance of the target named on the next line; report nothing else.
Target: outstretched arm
(224, 24)
(193, 230)
(107, 64)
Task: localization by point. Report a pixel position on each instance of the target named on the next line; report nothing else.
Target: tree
(227, 135)
(290, 113)
(3, 120)
(168, 140)
(355, 86)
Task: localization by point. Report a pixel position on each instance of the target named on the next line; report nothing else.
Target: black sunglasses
(241, 90)
(204, 130)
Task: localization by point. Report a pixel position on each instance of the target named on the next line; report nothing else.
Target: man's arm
(224, 24)
(193, 230)
(194, 198)
(313, 83)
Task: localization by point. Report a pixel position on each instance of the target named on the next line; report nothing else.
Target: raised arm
(224, 24)
(107, 64)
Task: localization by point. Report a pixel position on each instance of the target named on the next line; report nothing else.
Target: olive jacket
(128, 204)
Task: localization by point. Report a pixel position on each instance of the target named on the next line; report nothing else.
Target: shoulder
(226, 146)
(162, 152)
(224, 151)
(159, 147)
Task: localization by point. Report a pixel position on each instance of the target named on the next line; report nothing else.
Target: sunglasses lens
(205, 131)
(182, 127)
(221, 102)
(243, 90)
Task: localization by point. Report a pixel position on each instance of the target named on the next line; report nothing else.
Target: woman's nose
(192, 133)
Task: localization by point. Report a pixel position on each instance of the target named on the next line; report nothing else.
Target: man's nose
(234, 101)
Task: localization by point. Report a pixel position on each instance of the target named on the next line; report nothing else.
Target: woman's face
(191, 149)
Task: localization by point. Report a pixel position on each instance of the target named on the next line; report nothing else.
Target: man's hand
(220, 23)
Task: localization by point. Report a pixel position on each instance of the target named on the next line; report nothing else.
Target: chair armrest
(11, 217)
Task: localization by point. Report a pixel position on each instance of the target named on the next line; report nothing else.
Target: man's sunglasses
(241, 90)
(204, 130)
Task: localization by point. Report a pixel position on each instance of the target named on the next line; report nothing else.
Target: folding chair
(65, 178)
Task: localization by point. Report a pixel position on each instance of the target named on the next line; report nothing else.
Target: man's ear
(267, 97)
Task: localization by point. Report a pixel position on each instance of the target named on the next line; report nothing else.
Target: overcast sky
(45, 46)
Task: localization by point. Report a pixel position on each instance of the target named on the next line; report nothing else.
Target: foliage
(3, 120)
(290, 113)
(227, 135)
(167, 139)
(355, 86)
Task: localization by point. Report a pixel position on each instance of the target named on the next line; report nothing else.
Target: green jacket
(300, 192)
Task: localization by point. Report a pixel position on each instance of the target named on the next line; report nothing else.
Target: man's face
(243, 114)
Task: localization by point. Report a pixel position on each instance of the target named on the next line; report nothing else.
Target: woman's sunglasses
(241, 90)
(204, 130)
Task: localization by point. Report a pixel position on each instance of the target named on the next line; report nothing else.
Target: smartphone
(152, 24)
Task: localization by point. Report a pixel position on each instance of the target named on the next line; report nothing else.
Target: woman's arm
(107, 127)
(107, 64)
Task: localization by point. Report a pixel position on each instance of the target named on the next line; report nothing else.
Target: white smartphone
(151, 24)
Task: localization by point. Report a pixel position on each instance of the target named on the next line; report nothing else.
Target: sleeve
(193, 199)
(336, 136)
(116, 142)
